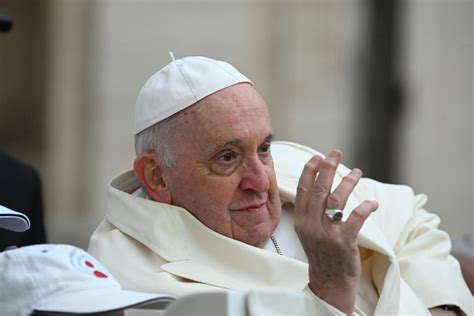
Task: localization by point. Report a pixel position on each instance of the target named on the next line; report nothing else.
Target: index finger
(305, 183)
(322, 186)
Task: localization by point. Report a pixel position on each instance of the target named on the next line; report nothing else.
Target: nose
(255, 177)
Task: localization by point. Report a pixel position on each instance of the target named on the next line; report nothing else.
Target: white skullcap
(180, 84)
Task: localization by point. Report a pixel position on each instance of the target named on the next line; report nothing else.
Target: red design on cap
(96, 273)
(100, 274)
(89, 264)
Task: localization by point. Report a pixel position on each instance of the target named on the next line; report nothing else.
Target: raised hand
(331, 247)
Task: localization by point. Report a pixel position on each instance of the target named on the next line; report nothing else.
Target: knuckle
(301, 189)
(350, 179)
(329, 164)
(318, 190)
(358, 213)
(334, 201)
(311, 165)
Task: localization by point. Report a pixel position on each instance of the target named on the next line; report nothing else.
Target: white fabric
(290, 246)
(286, 237)
(12, 220)
(406, 256)
(180, 84)
(62, 278)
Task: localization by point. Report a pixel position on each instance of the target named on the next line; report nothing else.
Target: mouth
(252, 207)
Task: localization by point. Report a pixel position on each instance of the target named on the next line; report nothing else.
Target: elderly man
(202, 209)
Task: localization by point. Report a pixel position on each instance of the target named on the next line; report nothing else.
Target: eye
(264, 149)
(227, 158)
(225, 162)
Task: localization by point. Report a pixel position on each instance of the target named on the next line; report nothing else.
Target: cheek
(273, 192)
(209, 200)
(221, 192)
(207, 195)
(272, 178)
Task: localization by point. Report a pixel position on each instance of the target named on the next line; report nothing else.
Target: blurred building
(70, 72)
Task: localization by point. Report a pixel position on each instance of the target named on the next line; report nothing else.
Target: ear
(148, 170)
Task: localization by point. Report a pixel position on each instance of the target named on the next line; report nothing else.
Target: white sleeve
(321, 307)
(422, 250)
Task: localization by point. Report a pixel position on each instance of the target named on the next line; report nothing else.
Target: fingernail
(376, 204)
(335, 154)
(357, 171)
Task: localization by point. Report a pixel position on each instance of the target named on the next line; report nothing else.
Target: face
(224, 170)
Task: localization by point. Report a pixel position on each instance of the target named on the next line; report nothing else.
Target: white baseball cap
(12, 220)
(180, 84)
(63, 279)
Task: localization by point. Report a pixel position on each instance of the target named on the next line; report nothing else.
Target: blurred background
(390, 83)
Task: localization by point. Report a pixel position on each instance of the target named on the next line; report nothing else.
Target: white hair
(157, 138)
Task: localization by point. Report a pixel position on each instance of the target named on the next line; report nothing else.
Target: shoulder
(13, 169)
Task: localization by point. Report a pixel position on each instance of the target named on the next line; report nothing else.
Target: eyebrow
(270, 137)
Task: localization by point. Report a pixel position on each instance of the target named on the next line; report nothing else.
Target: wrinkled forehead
(237, 112)
(229, 106)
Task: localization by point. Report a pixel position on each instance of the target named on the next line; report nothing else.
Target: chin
(258, 237)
